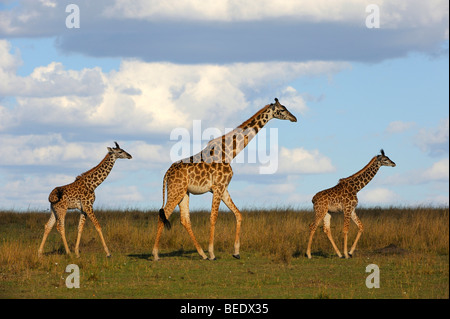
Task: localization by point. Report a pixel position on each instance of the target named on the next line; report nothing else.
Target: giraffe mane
(82, 175)
(359, 172)
(242, 125)
(255, 115)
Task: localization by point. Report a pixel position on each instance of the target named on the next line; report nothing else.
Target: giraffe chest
(74, 203)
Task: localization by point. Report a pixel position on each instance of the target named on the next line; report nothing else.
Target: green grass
(271, 265)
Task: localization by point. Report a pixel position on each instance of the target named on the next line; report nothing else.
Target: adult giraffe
(210, 171)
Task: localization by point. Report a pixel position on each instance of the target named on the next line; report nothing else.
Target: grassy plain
(409, 245)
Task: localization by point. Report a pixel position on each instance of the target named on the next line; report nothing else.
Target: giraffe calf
(80, 195)
(343, 198)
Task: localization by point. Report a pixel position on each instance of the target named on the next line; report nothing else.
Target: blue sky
(134, 72)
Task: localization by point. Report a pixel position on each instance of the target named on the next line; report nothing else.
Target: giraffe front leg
(319, 215)
(186, 222)
(80, 230)
(360, 230)
(214, 213)
(345, 231)
(312, 230)
(89, 211)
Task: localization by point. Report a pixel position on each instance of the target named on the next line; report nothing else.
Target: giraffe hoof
(237, 256)
(108, 256)
(350, 255)
(213, 258)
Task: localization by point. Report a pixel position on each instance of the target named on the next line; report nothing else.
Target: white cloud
(439, 171)
(48, 3)
(434, 141)
(119, 197)
(266, 161)
(301, 161)
(149, 97)
(399, 127)
(378, 196)
(30, 191)
(9, 62)
(52, 150)
(392, 14)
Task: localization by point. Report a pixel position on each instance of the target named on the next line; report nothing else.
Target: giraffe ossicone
(80, 195)
(343, 198)
(210, 171)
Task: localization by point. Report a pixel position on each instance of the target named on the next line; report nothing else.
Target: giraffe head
(117, 152)
(281, 112)
(384, 160)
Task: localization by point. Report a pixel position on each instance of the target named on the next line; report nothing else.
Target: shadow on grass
(319, 253)
(177, 253)
(59, 251)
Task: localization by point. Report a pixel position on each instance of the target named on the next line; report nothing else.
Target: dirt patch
(391, 249)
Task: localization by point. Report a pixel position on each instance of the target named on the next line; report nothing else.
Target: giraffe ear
(109, 150)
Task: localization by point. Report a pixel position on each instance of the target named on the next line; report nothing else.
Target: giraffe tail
(56, 195)
(162, 214)
(166, 222)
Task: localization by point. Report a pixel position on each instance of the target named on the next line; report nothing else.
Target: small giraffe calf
(80, 194)
(342, 198)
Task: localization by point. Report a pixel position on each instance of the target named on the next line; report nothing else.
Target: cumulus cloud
(49, 150)
(399, 127)
(54, 161)
(54, 151)
(434, 141)
(378, 196)
(437, 172)
(349, 11)
(192, 31)
(301, 161)
(142, 98)
(269, 159)
(29, 191)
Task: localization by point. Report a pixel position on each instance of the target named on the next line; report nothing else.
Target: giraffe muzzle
(292, 118)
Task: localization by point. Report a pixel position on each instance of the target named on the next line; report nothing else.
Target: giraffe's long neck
(360, 179)
(224, 148)
(95, 176)
(239, 138)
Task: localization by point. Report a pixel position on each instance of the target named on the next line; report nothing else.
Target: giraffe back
(336, 198)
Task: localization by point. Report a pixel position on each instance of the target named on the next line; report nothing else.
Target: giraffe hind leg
(173, 199)
(48, 227)
(320, 214)
(186, 222)
(226, 198)
(327, 230)
(60, 212)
